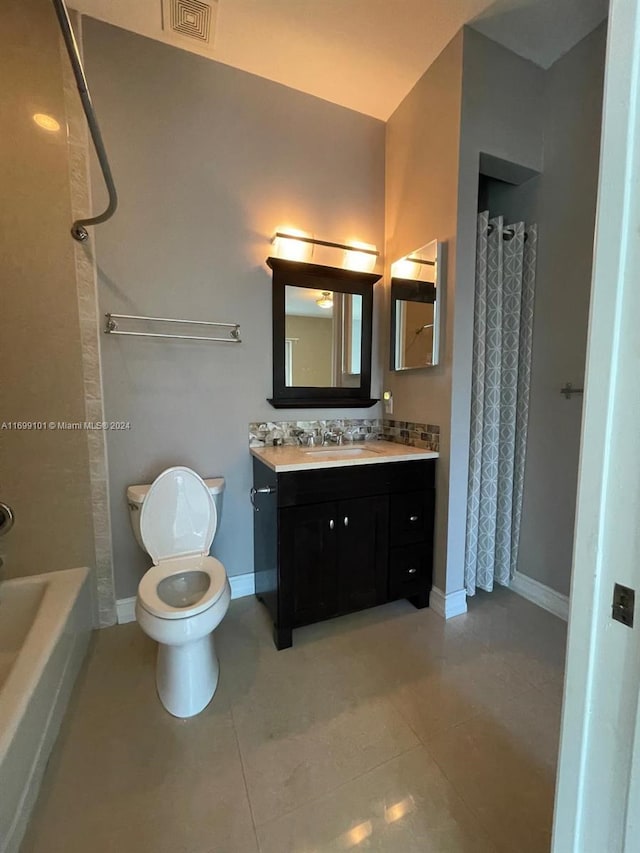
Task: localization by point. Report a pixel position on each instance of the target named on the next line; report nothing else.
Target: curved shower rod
(78, 229)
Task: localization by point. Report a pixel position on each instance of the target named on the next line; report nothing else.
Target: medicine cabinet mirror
(322, 318)
(416, 308)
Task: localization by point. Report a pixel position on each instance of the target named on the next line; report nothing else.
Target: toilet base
(187, 676)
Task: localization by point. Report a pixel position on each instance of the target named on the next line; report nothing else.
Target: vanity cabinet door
(362, 552)
(309, 571)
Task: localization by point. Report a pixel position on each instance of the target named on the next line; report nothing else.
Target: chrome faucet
(304, 439)
(331, 437)
(298, 434)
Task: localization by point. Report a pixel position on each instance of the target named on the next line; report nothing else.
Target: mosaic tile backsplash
(289, 432)
(426, 436)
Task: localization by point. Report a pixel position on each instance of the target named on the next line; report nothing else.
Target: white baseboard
(126, 610)
(449, 605)
(541, 595)
(241, 585)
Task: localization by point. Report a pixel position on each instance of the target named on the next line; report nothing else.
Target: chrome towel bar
(111, 328)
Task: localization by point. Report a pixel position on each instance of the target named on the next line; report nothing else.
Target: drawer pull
(412, 571)
(331, 524)
(413, 518)
(346, 521)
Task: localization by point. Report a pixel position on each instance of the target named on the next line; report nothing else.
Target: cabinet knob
(413, 518)
(412, 571)
(331, 524)
(346, 521)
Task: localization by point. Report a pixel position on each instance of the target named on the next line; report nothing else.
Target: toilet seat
(178, 517)
(178, 522)
(148, 588)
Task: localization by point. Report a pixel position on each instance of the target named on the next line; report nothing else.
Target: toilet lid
(178, 516)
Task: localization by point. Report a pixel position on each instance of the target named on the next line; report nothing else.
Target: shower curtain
(503, 327)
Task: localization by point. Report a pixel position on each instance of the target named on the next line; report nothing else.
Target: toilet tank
(137, 494)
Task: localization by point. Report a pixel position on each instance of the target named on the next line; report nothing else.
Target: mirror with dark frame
(416, 308)
(322, 320)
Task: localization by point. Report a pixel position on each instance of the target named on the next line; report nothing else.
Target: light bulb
(289, 248)
(357, 260)
(404, 268)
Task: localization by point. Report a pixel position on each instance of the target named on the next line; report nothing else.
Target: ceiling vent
(190, 21)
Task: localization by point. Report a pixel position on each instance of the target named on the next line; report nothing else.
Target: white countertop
(294, 458)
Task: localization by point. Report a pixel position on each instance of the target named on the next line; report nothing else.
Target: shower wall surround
(46, 473)
(86, 285)
(425, 436)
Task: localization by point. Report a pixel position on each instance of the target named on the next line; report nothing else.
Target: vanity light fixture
(360, 257)
(46, 122)
(293, 245)
(412, 268)
(404, 268)
(290, 244)
(326, 300)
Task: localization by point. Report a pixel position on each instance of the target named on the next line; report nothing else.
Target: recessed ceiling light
(46, 122)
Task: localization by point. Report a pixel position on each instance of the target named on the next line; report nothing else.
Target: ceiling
(361, 54)
(302, 302)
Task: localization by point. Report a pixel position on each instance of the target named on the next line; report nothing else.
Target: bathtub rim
(62, 589)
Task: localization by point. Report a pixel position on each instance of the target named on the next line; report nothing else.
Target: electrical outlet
(623, 604)
(387, 397)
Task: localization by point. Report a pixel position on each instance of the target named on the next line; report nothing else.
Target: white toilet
(185, 595)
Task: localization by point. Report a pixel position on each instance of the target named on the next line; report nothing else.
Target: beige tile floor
(388, 730)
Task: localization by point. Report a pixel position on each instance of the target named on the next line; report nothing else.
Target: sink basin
(339, 448)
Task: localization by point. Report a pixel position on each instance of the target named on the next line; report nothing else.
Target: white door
(597, 798)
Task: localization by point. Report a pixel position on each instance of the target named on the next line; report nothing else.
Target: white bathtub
(45, 624)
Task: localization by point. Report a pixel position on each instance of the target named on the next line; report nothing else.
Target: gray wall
(45, 473)
(563, 202)
(481, 99)
(422, 147)
(434, 142)
(209, 161)
(502, 102)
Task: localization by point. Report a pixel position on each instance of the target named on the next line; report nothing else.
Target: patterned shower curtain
(503, 327)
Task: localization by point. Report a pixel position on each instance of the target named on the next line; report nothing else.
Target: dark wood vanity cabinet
(330, 541)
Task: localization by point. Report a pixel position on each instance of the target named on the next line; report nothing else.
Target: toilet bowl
(183, 598)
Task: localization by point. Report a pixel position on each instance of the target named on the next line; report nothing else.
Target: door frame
(599, 763)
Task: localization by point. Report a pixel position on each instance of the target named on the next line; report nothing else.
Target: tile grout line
(495, 841)
(244, 777)
(352, 645)
(443, 731)
(332, 791)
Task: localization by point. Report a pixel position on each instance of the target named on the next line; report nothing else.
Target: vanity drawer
(297, 488)
(411, 517)
(409, 570)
